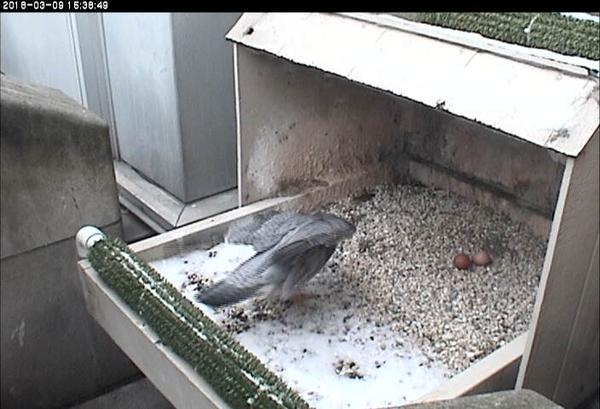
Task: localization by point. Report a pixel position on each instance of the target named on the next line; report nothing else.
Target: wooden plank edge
(486, 371)
(209, 231)
(195, 232)
(171, 375)
(157, 203)
(542, 58)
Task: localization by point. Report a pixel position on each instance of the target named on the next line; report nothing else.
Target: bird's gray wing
(323, 230)
(304, 267)
(240, 284)
(243, 230)
(272, 266)
(264, 231)
(305, 250)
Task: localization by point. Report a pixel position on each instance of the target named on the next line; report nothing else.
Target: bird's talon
(300, 298)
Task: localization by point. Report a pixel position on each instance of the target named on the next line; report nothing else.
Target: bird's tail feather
(224, 293)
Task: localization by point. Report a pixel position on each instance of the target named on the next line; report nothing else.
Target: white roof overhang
(539, 96)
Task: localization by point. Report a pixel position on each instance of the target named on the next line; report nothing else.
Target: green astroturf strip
(551, 31)
(234, 373)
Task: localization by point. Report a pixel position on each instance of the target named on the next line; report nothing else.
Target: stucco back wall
(302, 128)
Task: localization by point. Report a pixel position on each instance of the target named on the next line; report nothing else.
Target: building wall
(56, 176)
(204, 68)
(163, 81)
(40, 48)
(142, 73)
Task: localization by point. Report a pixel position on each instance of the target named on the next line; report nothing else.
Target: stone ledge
(56, 168)
(521, 399)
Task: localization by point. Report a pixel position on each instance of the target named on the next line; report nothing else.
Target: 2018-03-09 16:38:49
(55, 5)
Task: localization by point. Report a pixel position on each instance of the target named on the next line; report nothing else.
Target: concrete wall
(56, 175)
(204, 68)
(302, 127)
(40, 48)
(96, 79)
(163, 81)
(142, 73)
(74, 45)
(172, 86)
(498, 400)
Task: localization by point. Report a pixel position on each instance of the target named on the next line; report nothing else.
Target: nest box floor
(389, 318)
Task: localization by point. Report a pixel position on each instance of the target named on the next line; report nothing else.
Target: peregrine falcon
(291, 248)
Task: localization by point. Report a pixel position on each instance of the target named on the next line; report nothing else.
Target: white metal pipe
(86, 237)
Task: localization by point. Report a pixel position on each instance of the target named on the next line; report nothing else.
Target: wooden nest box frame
(331, 104)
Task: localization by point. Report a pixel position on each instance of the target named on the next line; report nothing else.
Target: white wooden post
(561, 356)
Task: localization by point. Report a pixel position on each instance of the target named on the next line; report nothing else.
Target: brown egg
(462, 261)
(482, 258)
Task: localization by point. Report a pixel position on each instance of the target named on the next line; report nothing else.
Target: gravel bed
(399, 266)
(397, 272)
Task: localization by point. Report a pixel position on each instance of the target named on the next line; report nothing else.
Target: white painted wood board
(564, 329)
(496, 370)
(536, 56)
(581, 359)
(171, 375)
(548, 103)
